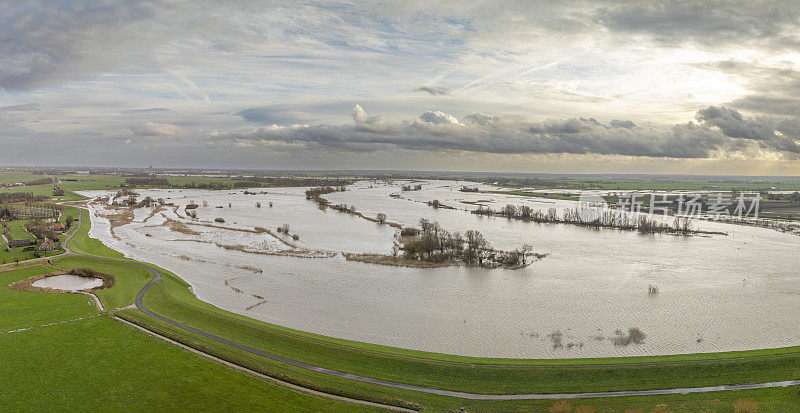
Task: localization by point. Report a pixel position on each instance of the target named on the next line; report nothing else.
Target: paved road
(464, 395)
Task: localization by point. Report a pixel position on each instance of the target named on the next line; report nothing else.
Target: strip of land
(166, 306)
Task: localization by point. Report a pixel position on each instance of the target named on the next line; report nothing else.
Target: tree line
(606, 218)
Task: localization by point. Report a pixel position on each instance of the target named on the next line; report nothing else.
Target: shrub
(409, 232)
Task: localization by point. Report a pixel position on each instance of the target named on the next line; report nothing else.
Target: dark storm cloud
(778, 134)
(710, 23)
(718, 129)
(44, 43)
(435, 91)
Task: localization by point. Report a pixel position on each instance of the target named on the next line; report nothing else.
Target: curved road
(429, 390)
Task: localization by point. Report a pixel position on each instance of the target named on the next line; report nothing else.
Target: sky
(692, 87)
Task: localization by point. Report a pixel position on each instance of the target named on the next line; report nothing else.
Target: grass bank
(98, 364)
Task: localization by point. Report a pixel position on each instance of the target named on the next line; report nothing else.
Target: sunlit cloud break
(193, 83)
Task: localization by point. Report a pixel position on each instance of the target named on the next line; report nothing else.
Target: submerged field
(579, 301)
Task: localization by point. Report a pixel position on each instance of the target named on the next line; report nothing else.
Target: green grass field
(173, 298)
(78, 182)
(14, 177)
(82, 243)
(16, 229)
(98, 364)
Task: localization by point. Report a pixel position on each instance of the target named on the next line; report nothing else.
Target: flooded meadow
(590, 296)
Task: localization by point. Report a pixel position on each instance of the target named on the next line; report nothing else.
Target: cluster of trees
(249, 181)
(317, 192)
(433, 243)
(416, 187)
(148, 181)
(284, 229)
(793, 197)
(559, 182)
(40, 181)
(436, 204)
(216, 186)
(29, 211)
(131, 199)
(15, 197)
(343, 208)
(468, 189)
(605, 219)
(42, 230)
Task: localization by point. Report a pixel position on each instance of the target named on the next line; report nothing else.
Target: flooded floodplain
(588, 297)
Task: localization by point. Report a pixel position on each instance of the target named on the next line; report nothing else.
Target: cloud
(772, 89)
(25, 107)
(775, 133)
(719, 130)
(148, 110)
(99, 67)
(435, 91)
(713, 24)
(616, 123)
(152, 130)
(364, 123)
(437, 118)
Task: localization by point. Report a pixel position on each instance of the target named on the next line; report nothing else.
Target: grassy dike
(172, 298)
(98, 364)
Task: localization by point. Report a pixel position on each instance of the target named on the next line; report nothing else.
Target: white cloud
(152, 130)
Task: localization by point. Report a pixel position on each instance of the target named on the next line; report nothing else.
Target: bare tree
(525, 250)
(475, 247)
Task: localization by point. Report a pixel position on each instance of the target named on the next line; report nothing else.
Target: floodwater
(68, 282)
(715, 293)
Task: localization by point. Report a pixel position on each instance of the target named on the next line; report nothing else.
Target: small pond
(68, 282)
